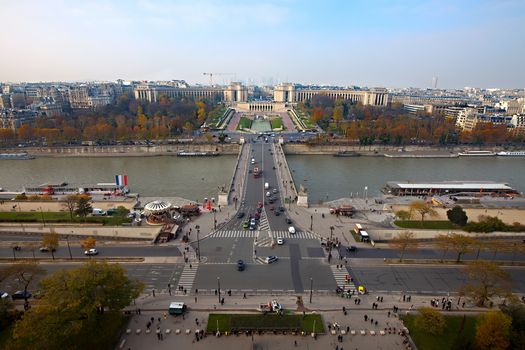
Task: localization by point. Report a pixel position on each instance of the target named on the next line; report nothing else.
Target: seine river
(325, 177)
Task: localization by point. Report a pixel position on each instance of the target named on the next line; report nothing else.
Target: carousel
(158, 212)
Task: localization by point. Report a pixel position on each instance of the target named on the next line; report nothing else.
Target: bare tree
(403, 242)
(486, 280)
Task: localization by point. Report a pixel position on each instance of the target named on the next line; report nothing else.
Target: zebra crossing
(264, 239)
(261, 234)
(340, 275)
(263, 224)
(188, 276)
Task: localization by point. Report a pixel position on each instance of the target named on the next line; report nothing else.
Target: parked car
(270, 259)
(92, 251)
(21, 294)
(280, 241)
(45, 249)
(240, 265)
(240, 215)
(3, 295)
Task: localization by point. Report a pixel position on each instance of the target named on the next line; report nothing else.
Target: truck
(345, 210)
(98, 212)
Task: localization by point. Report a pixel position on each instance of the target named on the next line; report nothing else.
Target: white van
(176, 308)
(266, 185)
(98, 212)
(253, 160)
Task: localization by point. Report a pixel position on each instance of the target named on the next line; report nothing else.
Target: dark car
(281, 209)
(351, 248)
(288, 221)
(240, 215)
(240, 265)
(46, 249)
(21, 294)
(277, 213)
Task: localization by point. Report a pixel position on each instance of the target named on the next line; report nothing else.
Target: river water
(191, 178)
(325, 177)
(328, 177)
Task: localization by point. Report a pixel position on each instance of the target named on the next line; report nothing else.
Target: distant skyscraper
(434, 82)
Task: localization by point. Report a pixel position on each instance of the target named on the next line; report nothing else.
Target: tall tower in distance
(434, 82)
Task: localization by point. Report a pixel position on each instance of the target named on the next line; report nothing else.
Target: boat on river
(477, 154)
(511, 154)
(16, 156)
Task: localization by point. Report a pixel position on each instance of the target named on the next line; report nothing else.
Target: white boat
(511, 153)
(476, 154)
(22, 155)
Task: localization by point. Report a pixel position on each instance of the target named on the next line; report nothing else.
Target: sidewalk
(330, 308)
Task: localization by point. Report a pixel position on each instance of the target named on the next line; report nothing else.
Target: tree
(403, 214)
(457, 216)
(50, 240)
(89, 243)
(442, 242)
(517, 312)
(70, 203)
(83, 206)
(403, 242)
(24, 273)
(423, 208)
(486, 280)
(76, 304)
(461, 244)
(493, 331)
(430, 321)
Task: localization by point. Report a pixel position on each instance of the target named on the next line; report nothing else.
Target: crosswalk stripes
(259, 260)
(264, 225)
(264, 239)
(234, 234)
(298, 234)
(340, 278)
(188, 276)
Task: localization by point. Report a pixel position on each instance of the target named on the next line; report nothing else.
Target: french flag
(121, 180)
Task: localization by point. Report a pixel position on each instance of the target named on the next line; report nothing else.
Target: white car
(270, 259)
(280, 241)
(276, 306)
(91, 251)
(291, 229)
(4, 295)
(268, 194)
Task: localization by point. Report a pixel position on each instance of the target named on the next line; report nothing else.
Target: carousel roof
(158, 206)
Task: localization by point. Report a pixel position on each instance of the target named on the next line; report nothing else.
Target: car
(289, 221)
(274, 190)
(3, 295)
(291, 229)
(245, 224)
(240, 265)
(91, 251)
(276, 306)
(21, 294)
(351, 248)
(268, 194)
(258, 215)
(281, 209)
(259, 205)
(259, 210)
(270, 207)
(277, 213)
(46, 249)
(280, 241)
(270, 259)
(240, 215)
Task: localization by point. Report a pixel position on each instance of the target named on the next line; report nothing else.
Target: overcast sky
(478, 43)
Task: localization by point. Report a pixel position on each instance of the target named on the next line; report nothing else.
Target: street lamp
(68, 247)
(198, 242)
(311, 288)
(331, 232)
(219, 288)
(311, 222)
(214, 220)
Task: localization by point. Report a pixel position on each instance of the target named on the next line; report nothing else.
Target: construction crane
(212, 74)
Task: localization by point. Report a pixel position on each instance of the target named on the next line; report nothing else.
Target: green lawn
(277, 123)
(430, 224)
(244, 123)
(59, 217)
(227, 322)
(450, 336)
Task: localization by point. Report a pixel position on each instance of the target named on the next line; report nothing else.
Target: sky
(478, 43)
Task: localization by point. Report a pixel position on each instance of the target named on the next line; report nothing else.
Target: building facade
(289, 93)
(235, 92)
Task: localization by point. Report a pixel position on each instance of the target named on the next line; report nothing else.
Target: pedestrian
(366, 317)
(347, 329)
(154, 293)
(463, 304)
(376, 323)
(244, 295)
(169, 291)
(159, 319)
(388, 313)
(404, 297)
(371, 321)
(195, 299)
(381, 299)
(165, 315)
(190, 266)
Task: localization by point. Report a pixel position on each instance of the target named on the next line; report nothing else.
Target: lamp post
(198, 242)
(311, 222)
(68, 247)
(215, 220)
(311, 288)
(219, 288)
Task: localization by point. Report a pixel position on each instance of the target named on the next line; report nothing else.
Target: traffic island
(226, 323)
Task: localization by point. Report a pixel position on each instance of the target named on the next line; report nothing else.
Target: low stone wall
(374, 150)
(129, 151)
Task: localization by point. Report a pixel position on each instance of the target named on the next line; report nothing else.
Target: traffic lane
(218, 249)
(104, 251)
(425, 279)
(308, 248)
(242, 249)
